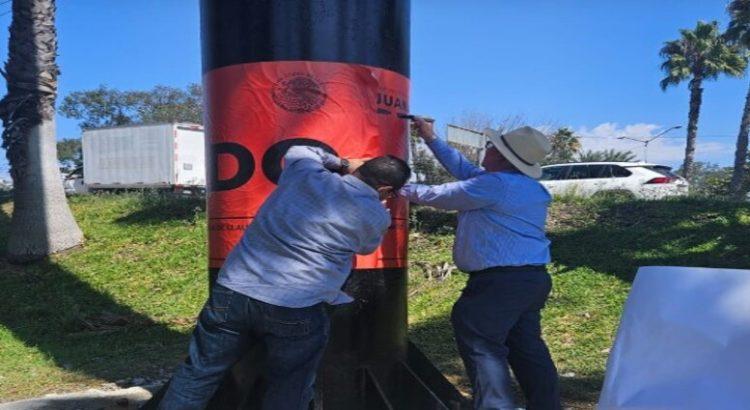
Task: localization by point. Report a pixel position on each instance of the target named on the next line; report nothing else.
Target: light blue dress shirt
(501, 218)
(299, 249)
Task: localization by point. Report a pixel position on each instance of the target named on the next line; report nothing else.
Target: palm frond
(738, 31)
(701, 53)
(675, 65)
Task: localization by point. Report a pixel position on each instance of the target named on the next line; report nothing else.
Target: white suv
(634, 179)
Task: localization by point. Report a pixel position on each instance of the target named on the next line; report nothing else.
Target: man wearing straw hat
(501, 243)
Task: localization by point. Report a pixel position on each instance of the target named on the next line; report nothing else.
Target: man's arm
(372, 236)
(465, 195)
(320, 159)
(453, 160)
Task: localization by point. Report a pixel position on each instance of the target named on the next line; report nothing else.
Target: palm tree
(610, 155)
(738, 34)
(700, 54)
(42, 222)
(565, 145)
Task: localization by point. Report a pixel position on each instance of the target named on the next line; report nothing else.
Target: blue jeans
(228, 326)
(496, 322)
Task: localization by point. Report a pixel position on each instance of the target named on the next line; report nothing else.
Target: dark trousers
(228, 326)
(497, 322)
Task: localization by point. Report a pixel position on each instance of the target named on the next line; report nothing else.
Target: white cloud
(670, 151)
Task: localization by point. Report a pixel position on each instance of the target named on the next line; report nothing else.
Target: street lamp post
(647, 141)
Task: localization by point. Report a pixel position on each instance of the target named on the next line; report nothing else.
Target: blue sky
(592, 66)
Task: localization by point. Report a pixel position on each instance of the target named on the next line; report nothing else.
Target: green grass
(597, 249)
(124, 304)
(120, 306)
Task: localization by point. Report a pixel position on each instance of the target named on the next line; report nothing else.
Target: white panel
(190, 158)
(137, 156)
(683, 342)
(464, 136)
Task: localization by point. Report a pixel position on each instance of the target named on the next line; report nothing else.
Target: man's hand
(355, 163)
(424, 128)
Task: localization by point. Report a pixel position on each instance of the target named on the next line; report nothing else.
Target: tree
(426, 168)
(565, 145)
(699, 55)
(42, 222)
(710, 180)
(170, 104)
(69, 153)
(738, 34)
(102, 107)
(108, 107)
(479, 121)
(609, 155)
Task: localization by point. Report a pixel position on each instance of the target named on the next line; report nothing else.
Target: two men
(291, 261)
(297, 253)
(501, 242)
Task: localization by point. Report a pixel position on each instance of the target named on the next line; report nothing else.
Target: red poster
(257, 110)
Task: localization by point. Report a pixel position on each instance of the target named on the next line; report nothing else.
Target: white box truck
(165, 156)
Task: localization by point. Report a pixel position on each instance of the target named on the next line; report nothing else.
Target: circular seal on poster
(299, 93)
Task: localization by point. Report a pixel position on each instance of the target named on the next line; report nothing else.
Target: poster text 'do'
(256, 109)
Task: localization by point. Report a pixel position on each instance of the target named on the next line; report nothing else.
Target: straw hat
(524, 147)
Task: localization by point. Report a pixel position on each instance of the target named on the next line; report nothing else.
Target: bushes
(567, 212)
(430, 220)
(712, 181)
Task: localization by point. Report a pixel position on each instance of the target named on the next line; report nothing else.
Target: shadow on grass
(154, 209)
(435, 339)
(81, 329)
(686, 232)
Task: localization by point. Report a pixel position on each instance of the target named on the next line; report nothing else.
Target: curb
(92, 399)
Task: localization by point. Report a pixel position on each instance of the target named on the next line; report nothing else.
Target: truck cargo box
(144, 156)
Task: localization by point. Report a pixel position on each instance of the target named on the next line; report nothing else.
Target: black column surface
(369, 363)
(368, 32)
